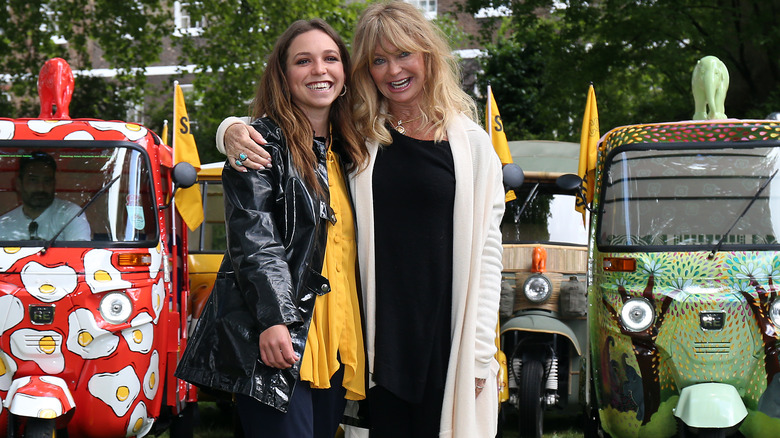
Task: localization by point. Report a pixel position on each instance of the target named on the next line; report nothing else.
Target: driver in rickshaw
(41, 214)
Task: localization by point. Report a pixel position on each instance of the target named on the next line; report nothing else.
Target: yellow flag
(495, 127)
(188, 201)
(589, 138)
(165, 132)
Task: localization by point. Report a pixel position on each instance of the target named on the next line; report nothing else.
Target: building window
(427, 6)
(184, 23)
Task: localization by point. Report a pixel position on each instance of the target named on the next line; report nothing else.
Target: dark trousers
(312, 412)
(392, 417)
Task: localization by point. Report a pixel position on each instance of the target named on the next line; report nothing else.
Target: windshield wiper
(750, 204)
(91, 200)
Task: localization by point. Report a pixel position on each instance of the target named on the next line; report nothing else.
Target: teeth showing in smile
(319, 86)
(400, 84)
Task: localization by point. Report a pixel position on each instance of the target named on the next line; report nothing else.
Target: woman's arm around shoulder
(242, 144)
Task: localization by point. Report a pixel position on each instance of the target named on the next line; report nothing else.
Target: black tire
(531, 409)
(40, 428)
(183, 425)
(684, 431)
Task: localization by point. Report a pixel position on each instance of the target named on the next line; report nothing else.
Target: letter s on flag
(185, 125)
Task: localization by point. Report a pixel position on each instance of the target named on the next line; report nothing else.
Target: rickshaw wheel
(531, 412)
(40, 428)
(685, 432)
(183, 425)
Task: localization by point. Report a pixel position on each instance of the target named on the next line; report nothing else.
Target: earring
(343, 91)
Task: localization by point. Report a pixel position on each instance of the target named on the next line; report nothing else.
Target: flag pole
(173, 153)
(489, 120)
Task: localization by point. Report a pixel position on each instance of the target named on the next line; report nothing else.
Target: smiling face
(398, 75)
(314, 71)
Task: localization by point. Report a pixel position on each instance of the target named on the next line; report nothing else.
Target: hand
(479, 385)
(276, 348)
(243, 139)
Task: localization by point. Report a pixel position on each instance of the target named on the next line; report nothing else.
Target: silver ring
(242, 156)
(239, 162)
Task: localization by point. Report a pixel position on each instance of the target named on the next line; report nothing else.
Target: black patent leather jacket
(276, 236)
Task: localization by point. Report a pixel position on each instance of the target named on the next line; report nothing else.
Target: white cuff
(228, 122)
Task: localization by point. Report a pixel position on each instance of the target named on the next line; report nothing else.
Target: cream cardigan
(479, 206)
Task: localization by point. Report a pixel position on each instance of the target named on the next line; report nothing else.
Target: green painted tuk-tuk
(684, 267)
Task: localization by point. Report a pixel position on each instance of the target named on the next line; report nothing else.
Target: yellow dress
(335, 330)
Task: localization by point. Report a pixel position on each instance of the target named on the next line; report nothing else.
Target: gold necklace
(399, 127)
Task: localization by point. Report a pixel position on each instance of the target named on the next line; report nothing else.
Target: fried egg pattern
(6, 130)
(44, 347)
(7, 370)
(132, 131)
(118, 390)
(79, 135)
(158, 299)
(152, 376)
(10, 255)
(48, 284)
(100, 274)
(86, 339)
(140, 335)
(156, 254)
(11, 312)
(139, 424)
(45, 126)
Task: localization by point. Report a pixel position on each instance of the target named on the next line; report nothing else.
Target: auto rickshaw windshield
(690, 195)
(69, 195)
(543, 213)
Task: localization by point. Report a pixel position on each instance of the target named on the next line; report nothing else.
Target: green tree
(639, 54)
(127, 35)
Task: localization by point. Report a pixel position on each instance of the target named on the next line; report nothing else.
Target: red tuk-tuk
(93, 291)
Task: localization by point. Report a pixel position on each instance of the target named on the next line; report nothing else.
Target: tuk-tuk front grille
(712, 347)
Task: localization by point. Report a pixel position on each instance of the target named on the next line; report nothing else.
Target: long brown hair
(274, 100)
(404, 26)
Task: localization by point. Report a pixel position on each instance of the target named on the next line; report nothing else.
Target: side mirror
(569, 182)
(184, 175)
(513, 176)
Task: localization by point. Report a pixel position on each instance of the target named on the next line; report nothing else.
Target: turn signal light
(134, 259)
(619, 264)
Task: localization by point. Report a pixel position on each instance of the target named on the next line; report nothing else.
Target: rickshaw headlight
(537, 288)
(774, 312)
(116, 307)
(637, 314)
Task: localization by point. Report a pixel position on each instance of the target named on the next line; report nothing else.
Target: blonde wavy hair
(404, 26)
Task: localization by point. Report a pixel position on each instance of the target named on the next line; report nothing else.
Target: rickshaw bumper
(710, 405)
(542, 324)
(39, 397)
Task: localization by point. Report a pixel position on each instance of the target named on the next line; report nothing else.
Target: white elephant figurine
(710, 83)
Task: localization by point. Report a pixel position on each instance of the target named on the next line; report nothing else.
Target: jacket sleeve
(253, 204)
(491, 212)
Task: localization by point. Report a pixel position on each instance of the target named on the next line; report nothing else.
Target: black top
(414, 196)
